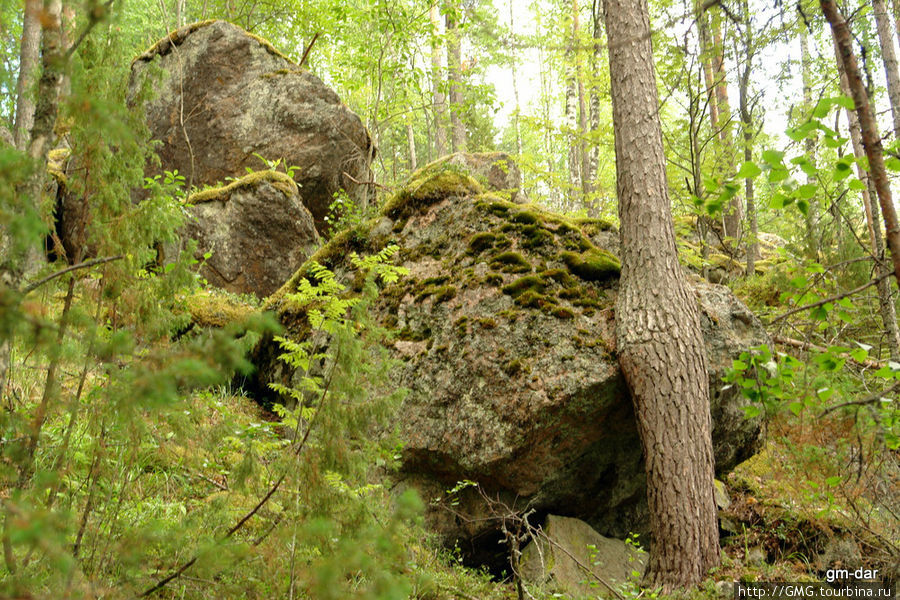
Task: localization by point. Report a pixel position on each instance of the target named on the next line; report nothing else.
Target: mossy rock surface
(504, 389)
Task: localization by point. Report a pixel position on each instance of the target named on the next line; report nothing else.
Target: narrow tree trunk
(515, 82)
(813, 238)
(870, 138)
(733, 213)
(572, 128)
(747, 131)
(454, 73)
(439, 101)
(583, 159)
(28, 65)
(886, 307)
(411, 145)
(594, 160)
(661, 350)
(889, 58)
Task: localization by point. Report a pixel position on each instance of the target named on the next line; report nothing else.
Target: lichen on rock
(508, 348)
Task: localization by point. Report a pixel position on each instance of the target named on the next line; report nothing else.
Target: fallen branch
(793, 343)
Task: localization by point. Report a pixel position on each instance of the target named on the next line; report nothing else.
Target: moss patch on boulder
(592, 265)
(279, 180)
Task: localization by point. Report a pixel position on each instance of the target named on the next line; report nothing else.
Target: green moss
(593, 265)
(461, 325)
(526, 217)
(513, 367)
(561, 312)
(354, 239)
(495, 205)
(510, 262)
(279, 180)
(533, 299)
(217, 309)
(523, 284)
(494, 279)
(487, 323)
(441, 293)
(409, 335)
(592, 226)
(427, 186)
(562, 277)
(536, 237)
(480, 242)
(56, 164)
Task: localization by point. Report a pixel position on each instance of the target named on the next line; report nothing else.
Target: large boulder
(506, 328)
(255, 231)
(223, 96)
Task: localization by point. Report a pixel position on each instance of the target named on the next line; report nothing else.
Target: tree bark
(454, 76)
(515, 83)
(439, 101)
(871, 140)
(732, 215)
(594, 151)
(747, 131)
(28, 65)
(887, 310)
(889, 59)
(661, 350)
(583, 159)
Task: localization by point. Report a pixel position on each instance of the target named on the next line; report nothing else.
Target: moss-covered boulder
(496, 171)
(255, 231)
(223, 96)
(506, 328)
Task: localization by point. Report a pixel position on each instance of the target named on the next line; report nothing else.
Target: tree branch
(830, 299)
(82, 265)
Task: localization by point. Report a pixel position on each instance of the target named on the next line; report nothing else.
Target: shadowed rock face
(507, 328)
(222, 95)
(256, 230)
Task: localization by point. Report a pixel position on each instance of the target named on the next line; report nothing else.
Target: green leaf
(748, 170)
(845, 102)
(892, 163)
(803, 205)
(856, 184)
(796, 407)
(807, 191)
(833, 481)
(750, 411)
(772, 157)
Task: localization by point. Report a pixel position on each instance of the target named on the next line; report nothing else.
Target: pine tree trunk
(661, 350)
(439, 102)
(887, 310)
(871, 139)
(454, 76)
(28, 65)
(889, 58)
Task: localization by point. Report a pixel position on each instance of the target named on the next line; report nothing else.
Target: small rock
(573, 549)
